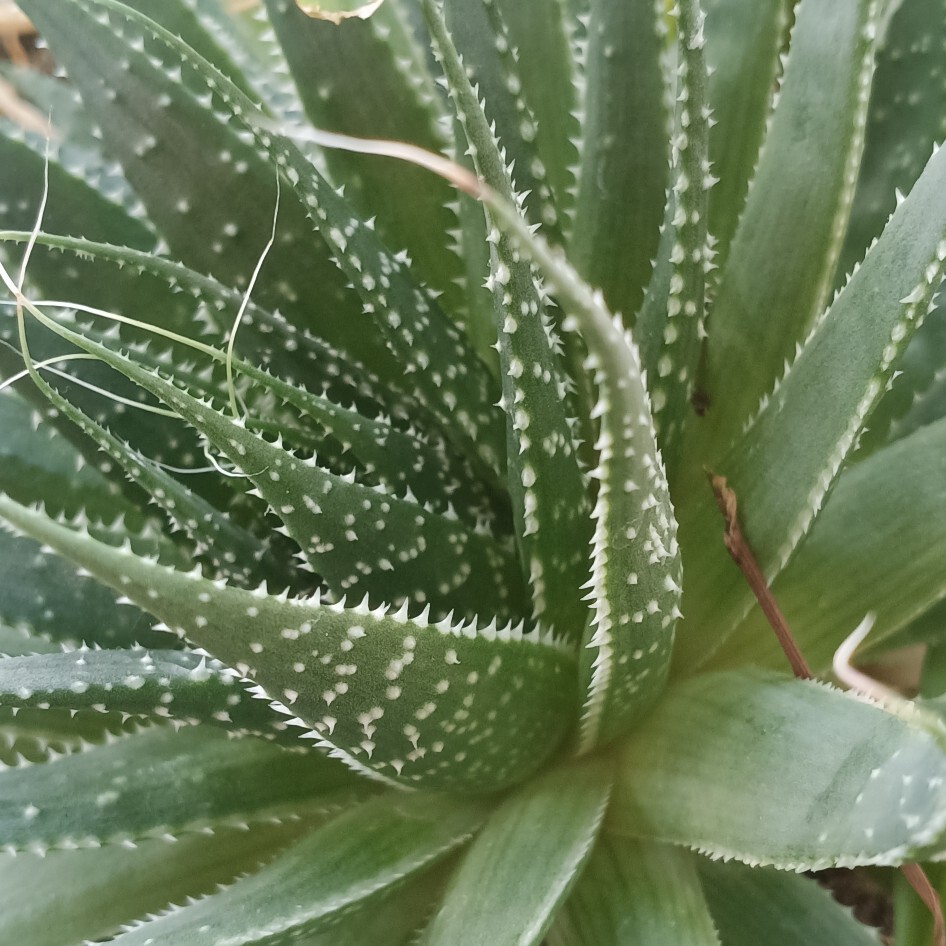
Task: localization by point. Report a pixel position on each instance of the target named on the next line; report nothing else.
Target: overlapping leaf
(394, 695)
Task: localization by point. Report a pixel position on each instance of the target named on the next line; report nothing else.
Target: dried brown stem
(742, 554)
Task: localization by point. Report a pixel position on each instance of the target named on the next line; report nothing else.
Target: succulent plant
(363, 370)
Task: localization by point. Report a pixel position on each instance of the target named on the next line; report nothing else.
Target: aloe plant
(363, 367)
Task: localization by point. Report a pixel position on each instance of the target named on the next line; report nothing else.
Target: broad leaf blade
(88, 894)
(535, 844)
(752, 905)
(877, 547)
(780, 268)
(389, 693)
(347, 863)
(785, 464)
(776, 771)
(162, 782)
(623, 151)
(636, 891)
(162, 685)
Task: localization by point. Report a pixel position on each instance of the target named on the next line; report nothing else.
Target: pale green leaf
(780, 269)
(350, 862)
(876, 547)
(159, 782)
(524, 861)
(89, 893)
(752, 905)
(775, 771)
(786, 462)
(636, 892)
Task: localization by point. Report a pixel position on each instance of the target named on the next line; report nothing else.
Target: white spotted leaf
(391, 695)
(150, 784)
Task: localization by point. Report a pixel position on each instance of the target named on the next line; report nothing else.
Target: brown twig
(918, 880)
(742, 554)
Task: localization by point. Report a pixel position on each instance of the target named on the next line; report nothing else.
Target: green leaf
(355, 78)
(627, 646)
(361, 540)
(55, 600)
(636, 892)
(183, 19)
(162, 782)
(233, 551)
(87, 894)
(295, 355)
(851, 564)
(782, 772)
(780, 268)
(907, 116)
(161, 685)
(785, 464)
(548, 73)
(37, 465)
(623, 150)
(347, 863)
(186, 168)
(399, 460)
(75, 207)
(481, 39)
(917, 395)
(550, 503)
(535, 844)
(743, 42)
(671, 323)
(752, 905)
(344, 670)
(635, 583)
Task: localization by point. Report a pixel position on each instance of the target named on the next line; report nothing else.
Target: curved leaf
(348, 863)
(87, 894)
(636, 892)
(162, 782)
(392, 694)
(787, 461)
(791, 773)
(536, 843)
(752, 905)
(850, 565)
(169, 685)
